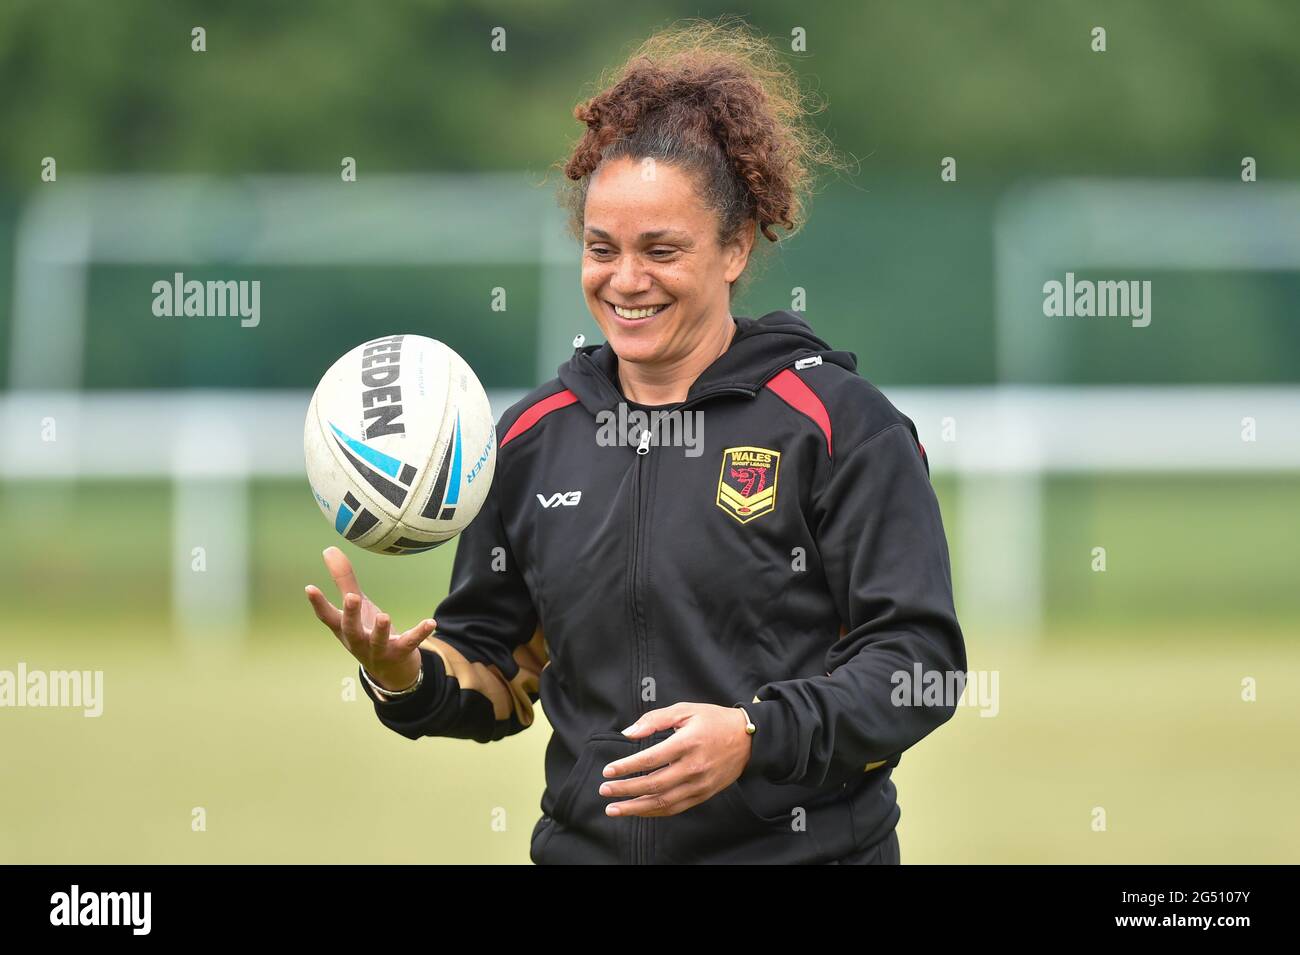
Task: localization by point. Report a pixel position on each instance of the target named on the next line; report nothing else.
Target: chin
(633, 348)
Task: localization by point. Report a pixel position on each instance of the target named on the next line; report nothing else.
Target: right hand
(392, 662)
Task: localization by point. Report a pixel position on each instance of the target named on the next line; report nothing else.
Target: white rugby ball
(400, 444)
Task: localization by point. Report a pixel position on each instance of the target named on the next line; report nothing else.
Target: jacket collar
(760, 349)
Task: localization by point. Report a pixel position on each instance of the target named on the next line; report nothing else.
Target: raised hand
(365, 631)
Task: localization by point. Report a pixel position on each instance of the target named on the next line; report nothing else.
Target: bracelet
(388, 695)
(750, 728)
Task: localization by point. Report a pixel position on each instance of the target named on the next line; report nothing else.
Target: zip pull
(644, 446)
(578, 340)
(807, 362)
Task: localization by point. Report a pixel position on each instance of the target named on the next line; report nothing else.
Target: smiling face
(653, 274)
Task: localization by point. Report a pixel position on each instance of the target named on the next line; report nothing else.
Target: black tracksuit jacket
(791, 559)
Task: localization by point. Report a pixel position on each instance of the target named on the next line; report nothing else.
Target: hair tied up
(720, 102)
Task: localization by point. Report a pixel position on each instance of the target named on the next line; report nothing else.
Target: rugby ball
(400, 445)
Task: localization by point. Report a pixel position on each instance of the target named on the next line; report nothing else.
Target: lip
(622, 322)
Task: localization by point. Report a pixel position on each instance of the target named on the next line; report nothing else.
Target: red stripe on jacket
(537, 411)
(791, 389)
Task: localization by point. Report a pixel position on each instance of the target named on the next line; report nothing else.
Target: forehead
(628, 196)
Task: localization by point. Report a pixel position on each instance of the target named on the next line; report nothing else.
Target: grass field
(1131, 703)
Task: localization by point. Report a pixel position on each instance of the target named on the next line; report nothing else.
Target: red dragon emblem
(747, 482)
(747, 478)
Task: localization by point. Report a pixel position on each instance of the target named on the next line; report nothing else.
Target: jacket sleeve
(482, 667)
(882, 546)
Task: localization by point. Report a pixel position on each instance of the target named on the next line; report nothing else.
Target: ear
(738, 250)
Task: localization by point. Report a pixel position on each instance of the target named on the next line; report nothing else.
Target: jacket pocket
(578, 830)
(874, 802)
(573, 801)
(778, 805)
(720, 829)
(541, 831)
(754, 821)
(797, 824)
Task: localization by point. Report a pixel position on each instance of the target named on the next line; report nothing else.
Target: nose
(629, 278)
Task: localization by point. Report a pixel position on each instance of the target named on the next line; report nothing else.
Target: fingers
(665, 792)
(661, 753)
(379, 636)
(352, 618)
(326, 612)
(349, 625)
(340, 569)
(666, 717)
(666, 804)
(412, 638)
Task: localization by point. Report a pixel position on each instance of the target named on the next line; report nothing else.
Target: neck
(668, 383)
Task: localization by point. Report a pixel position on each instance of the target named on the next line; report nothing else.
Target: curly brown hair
(718, 101)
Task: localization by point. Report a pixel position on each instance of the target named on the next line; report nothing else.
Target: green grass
(1185, 771)
(287, 770)
(1131, 703)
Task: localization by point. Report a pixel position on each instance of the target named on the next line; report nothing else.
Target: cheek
(678, 279)
(593, 276)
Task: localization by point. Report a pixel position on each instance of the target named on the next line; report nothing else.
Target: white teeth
(638, 312)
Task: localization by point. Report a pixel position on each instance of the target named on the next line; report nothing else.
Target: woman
(717, 611)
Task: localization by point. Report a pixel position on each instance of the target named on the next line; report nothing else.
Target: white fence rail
(998, 442)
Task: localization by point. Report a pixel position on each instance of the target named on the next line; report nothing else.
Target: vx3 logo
(560, 499)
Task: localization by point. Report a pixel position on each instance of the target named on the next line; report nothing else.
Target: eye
(659, 252)
(598, 250)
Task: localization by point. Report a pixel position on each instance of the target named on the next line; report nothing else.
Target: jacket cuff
(773, 745)
(418, 703)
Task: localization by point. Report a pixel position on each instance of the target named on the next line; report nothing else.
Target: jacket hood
(760, 349)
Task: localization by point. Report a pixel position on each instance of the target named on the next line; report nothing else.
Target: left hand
(707, 752)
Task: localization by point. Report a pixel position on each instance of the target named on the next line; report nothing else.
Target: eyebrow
(645, 236)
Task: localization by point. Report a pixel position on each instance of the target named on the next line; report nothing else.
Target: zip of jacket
(643, 826)
(641, 636)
